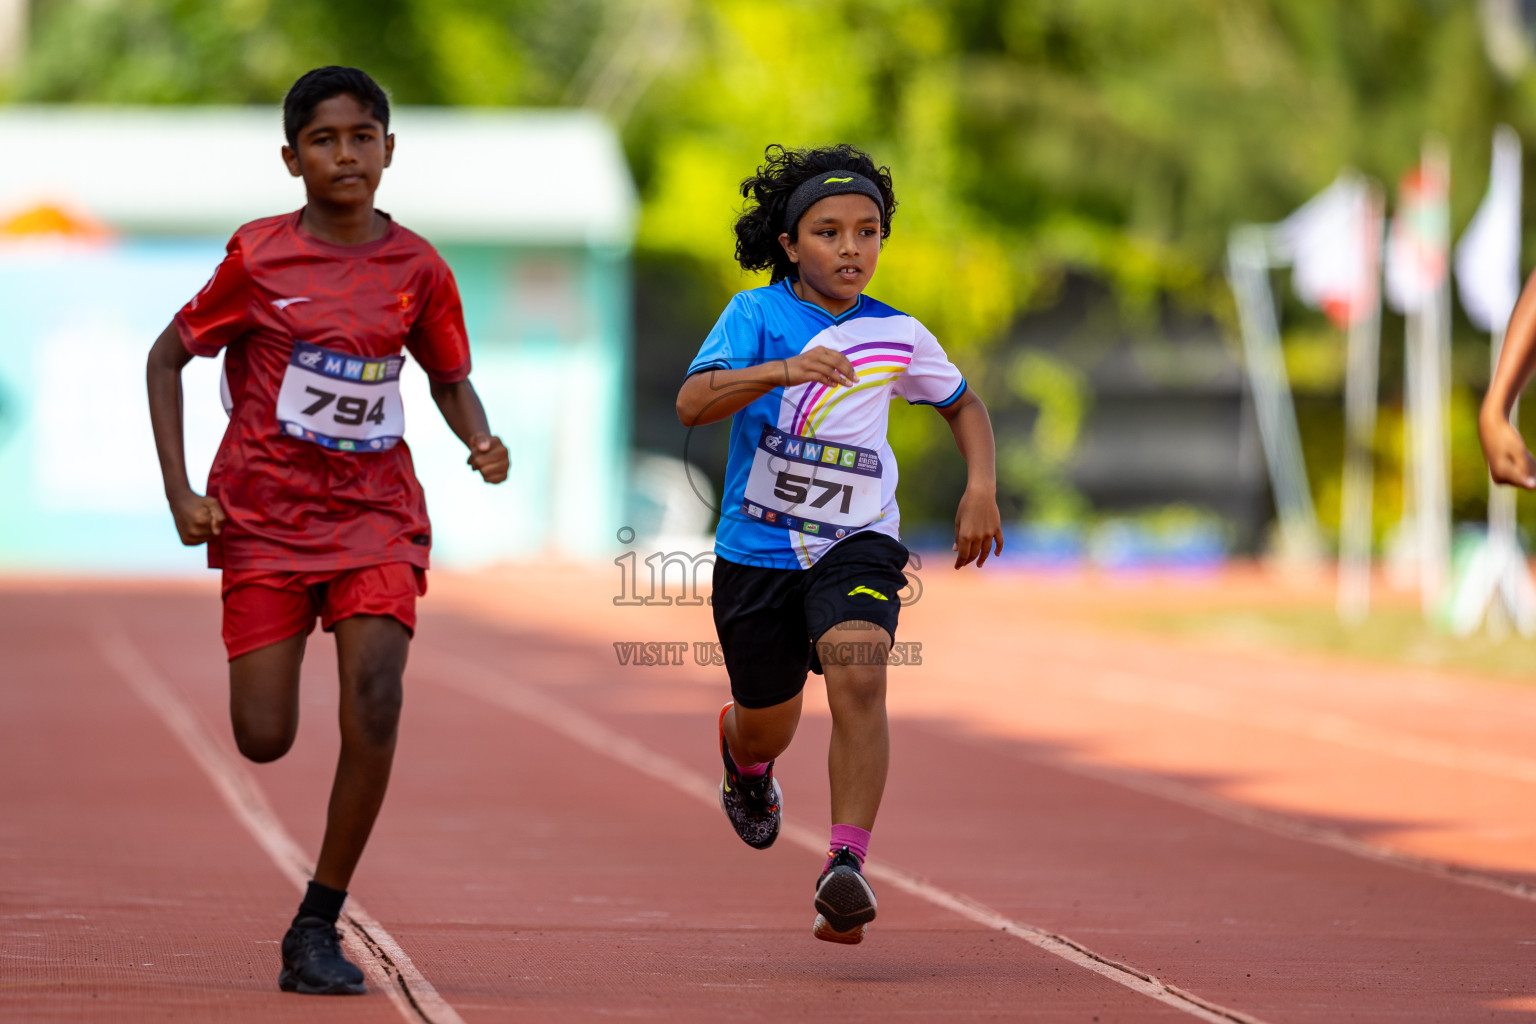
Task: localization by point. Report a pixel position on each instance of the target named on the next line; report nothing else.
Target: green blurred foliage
(1314, 359)
(1029, 138)
(250, 51)
(1036, 466)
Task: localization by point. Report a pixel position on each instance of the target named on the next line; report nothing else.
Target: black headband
(829, 183)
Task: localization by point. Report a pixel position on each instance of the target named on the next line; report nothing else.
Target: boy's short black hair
(767, 193)
(315, 87)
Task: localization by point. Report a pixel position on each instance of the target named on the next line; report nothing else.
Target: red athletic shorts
(262, 607)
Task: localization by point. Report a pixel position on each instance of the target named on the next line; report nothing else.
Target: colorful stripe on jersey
(876, 362)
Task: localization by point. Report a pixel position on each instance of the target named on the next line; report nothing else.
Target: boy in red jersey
(313, 508)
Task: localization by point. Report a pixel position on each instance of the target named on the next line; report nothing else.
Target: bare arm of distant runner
(712, 395)
(1508, 460)
(460, 405)
(198, 518)
(978, 524)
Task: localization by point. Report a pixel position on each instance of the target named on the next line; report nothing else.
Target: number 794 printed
(351, 411)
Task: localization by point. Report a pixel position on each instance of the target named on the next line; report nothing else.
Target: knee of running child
(377, 696)
(854, 683)
(264, 738)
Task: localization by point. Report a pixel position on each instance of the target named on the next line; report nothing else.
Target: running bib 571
(343, 402)
(807, 485)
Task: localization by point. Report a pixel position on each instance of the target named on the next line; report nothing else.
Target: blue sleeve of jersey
(734, 339)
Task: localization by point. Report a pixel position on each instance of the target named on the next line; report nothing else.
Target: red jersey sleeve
(438, 339)
(221, 312)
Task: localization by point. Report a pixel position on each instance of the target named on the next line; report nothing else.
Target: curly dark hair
(768, 191)
(315, 87)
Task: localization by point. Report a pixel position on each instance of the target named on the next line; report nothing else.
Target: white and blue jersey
(810, 464)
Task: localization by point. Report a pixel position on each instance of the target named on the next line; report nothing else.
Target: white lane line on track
(388, 967)
(454, 672)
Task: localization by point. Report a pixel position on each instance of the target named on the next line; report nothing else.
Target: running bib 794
(343, 402)
(807, 485)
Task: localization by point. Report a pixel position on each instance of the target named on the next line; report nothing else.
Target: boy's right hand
(821, 364)
(1508, 460)
(198, 518)
(489, 457)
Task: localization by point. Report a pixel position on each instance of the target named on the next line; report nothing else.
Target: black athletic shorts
(768, 620)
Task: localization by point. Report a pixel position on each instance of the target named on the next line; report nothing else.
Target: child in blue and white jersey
(808, 557)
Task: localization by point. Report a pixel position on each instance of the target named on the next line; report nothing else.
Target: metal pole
(1360, 403)
(1248, 266)
(1431, 497)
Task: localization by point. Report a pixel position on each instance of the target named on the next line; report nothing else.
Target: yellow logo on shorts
(866, 590)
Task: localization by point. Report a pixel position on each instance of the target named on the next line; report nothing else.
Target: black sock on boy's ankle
(321, 901)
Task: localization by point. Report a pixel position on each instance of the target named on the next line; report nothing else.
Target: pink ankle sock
(851, 836)
(751, 771)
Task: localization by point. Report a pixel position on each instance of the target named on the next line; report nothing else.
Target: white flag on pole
(1420, 236)
(1329, 244)
(1488, 255)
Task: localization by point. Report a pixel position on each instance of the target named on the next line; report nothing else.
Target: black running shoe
(313, 964)
(752, 804)
(844, 901)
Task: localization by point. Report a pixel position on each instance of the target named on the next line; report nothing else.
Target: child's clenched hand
(821, 365)
(198, 518)
(489, 457)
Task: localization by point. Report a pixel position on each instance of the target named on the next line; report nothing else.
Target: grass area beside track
(1394, 634)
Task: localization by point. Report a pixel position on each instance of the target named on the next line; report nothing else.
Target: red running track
(529, 875)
